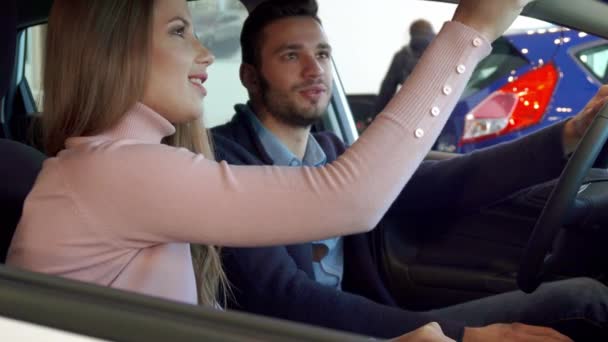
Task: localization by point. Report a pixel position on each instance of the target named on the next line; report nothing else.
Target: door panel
(448, 260)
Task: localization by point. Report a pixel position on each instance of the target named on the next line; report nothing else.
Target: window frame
(575, 54)
(105, 313)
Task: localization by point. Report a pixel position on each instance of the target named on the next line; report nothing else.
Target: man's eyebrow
(324, 46)
(288, 46)
(180, 18)
(295, 46)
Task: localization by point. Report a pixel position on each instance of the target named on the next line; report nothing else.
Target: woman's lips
(197, 81)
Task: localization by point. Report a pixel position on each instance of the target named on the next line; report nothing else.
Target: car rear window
(503, 59)
(595, 60)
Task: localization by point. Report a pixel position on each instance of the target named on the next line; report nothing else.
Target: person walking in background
(421, 35)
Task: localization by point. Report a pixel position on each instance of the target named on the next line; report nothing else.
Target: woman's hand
(489, 17)
(429, 333)
(576, 127)
(515, 332)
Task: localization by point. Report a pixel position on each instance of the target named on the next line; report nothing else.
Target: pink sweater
(120, 209)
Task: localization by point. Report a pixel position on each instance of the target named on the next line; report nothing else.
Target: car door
(38, 307)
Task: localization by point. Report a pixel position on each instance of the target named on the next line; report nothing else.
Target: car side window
(224, 86)
(503, 59)
(595, 59)
(218, 23)
(210, 20)
(35, 38)
(532, 79)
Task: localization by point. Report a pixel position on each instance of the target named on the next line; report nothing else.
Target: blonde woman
(130, 182)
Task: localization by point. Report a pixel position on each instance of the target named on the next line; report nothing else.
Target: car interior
(426, 264)
(83, 309)
(452, 258)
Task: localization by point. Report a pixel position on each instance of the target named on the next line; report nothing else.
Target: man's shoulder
(226, 130)
(331, 144)
(226, 135)
(404, 53)
(232, 143)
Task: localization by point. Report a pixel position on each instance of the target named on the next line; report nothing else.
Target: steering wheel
(560, 201)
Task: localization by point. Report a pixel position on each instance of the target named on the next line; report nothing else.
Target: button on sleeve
(435, 111)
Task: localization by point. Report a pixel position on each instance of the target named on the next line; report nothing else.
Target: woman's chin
(189, 118)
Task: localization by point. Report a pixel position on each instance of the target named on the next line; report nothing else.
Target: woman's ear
(249, 78)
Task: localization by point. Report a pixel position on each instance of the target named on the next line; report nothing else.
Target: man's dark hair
(266, 13)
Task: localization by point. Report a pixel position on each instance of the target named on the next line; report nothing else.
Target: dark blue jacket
(279, 281)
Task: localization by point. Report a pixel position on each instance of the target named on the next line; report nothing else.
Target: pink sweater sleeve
(171, 195)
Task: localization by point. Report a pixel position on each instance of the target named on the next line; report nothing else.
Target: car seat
(19, 163)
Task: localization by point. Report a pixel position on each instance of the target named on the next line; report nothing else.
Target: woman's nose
(204, 56)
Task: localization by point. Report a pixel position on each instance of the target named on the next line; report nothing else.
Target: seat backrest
(19, 167)
(8, 43)
(19, 163)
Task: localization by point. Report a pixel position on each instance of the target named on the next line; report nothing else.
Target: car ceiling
(584, 15)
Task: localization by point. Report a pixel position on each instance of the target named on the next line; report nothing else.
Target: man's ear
(249, 78)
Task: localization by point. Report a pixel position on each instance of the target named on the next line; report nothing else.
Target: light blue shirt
(330, 270)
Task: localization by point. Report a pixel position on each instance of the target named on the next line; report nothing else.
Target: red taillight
(519, 104)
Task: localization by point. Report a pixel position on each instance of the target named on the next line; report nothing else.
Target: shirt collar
(277, 151)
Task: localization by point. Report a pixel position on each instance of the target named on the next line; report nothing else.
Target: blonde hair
(211, 280)
(95, 70)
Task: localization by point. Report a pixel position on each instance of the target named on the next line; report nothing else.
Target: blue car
(531, 80)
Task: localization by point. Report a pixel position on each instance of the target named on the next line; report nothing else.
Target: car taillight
(518, 104)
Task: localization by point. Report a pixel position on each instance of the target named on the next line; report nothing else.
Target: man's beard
(287, 111)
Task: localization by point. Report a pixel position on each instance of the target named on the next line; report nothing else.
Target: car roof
(585, 15)
(33, 12)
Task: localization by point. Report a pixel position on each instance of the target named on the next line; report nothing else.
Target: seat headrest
(8, 41)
